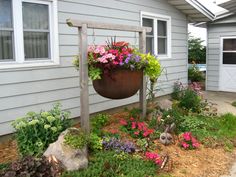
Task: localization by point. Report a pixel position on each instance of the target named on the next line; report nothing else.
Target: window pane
(5, 14)
(162, 47)
(229, 58)
(6, 44)
(229, 44)
(148, 23)
(35, 16)
(149, 45)
(36, 45)
(161, 28)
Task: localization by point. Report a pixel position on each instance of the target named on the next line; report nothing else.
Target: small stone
(71, 159)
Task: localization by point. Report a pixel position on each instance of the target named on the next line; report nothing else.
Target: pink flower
(136, 133)
(131, 118)
(151, 155)
(158, 161)
(102, 59)
(100, 49)
(185, 145)
(91, 48)
(133, 125)
(187, 136)
(196, 145)
(123, 122)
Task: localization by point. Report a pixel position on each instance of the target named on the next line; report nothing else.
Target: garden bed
(210, 162)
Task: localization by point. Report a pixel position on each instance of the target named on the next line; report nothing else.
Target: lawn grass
(221, 129)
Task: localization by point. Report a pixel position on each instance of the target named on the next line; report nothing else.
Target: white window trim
(156, 17)
(19, 61)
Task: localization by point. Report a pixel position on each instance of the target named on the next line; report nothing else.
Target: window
(159, 39)
(28, 33)
(229, 51)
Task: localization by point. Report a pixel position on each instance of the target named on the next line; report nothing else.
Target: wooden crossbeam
(107, 26)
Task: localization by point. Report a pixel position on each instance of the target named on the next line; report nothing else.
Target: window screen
(229, 51)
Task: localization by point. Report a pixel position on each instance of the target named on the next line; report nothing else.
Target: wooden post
(83, 69)
(142, 94)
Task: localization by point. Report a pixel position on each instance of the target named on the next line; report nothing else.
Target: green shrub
(95, 142)
(75, 138)
(36, 131)
(190, 101)
(177, 90)
(234, 104)
(108, 163)
(194, 74)
(98, 121)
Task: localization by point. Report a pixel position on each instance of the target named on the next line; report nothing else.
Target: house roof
(194, 10)
(230, 5)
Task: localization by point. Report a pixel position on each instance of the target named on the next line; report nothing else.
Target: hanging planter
(119, 84)
(117, 70)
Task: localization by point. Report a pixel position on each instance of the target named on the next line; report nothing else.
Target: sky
(201, 32)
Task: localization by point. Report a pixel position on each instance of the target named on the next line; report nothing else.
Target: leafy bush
(98, 121)
(75, 138)
(107, 163)
(177, 90)
(190, 101)
(234, 104)
(36, 131)
(95, 142)
(30, 166)
(194, 74)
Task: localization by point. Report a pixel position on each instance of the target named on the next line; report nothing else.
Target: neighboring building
(37, 49)
(221, 47)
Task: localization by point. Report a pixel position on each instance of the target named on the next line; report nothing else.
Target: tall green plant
(36, 131)
(196, 51)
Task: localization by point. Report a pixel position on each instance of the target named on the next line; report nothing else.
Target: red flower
(120, 44)
(123, 122)
(133, 125)
(136, 133)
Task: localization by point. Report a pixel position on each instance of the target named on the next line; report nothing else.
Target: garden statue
(166, 137)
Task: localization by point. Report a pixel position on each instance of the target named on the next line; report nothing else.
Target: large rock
(165, 104)
(72, 159)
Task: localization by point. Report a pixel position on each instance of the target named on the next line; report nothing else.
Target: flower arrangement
(135, 128)
(102, 59)
(189, 141)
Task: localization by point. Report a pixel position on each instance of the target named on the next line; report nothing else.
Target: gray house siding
(34, 89)
(216, 30)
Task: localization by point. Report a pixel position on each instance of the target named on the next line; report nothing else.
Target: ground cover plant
(234, 104)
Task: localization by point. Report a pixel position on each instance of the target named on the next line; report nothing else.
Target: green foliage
(153, 68)
(142, 144)
(95, 142)
(135, 112)
(194, 74)
(234, 104)
(196, 51)
(98, 121)
(36, 131)
(172, 116)
(177, 90)
(190, 101)
(75, 138)
(108, 163)
(3, 166)
(30, 166)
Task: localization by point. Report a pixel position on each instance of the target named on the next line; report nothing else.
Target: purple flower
(137, 58)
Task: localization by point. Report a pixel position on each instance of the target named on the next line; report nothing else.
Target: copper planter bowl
(121, 84)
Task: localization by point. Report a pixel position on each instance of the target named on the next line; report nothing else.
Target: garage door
(228, 65)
